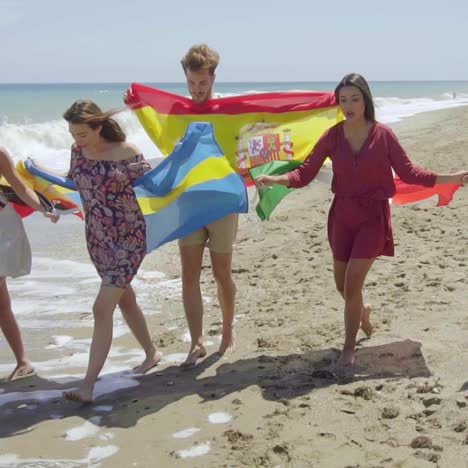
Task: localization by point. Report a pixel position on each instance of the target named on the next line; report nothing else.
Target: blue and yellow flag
(191, 188)
(194, 186)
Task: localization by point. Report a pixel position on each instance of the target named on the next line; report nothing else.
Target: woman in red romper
(363, 153)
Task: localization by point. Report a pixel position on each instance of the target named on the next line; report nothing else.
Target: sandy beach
(275, 402)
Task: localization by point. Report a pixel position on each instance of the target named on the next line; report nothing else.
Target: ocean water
(31, 123)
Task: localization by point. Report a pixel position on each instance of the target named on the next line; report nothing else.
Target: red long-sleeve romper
(359, 224)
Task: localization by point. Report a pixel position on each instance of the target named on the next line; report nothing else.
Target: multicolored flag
(59, 191)
(269, 197)
(268, 133)
(189, 189)
(251, 129)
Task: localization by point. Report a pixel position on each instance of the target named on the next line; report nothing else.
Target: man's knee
(190, 279)
(223, 277)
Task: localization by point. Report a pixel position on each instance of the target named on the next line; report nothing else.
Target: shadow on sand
(280, 377)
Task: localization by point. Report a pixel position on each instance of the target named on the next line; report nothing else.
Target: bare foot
(148, 364)
(366, 325)
(22, 371)
(84, 394)
(346, 358)
(228, 341)
(197, 352)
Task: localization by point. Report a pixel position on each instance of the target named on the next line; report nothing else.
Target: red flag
(23, 210)
(407, 193)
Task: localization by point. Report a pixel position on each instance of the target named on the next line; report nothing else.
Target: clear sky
(259, 40)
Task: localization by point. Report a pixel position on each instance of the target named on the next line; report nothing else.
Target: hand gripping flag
(58, 192)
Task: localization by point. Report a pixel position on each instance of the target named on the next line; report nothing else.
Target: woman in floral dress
(103, 167)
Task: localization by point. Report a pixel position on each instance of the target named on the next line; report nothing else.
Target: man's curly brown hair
(199, 57)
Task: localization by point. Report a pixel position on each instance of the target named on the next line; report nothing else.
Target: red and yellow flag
(251, 129)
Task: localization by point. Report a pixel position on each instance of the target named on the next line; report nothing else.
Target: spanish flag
(268, 133)
(251, 129)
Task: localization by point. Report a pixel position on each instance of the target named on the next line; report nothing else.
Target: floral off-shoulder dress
(115, 227)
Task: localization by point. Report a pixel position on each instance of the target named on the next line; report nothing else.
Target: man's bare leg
(191, 257)
(222, 265)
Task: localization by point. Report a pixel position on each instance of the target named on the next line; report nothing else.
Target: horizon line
(217, 82)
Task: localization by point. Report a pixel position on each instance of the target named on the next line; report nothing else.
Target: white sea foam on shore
(94, 456)
(107, 384)
(184, 434)
(87, 429)
(53, 306)
(219, 418)
(195, 451)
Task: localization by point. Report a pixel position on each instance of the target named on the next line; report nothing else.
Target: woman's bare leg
(12, 333)
(135, 319)
(356, 273)
(339, 269)
(103, 310)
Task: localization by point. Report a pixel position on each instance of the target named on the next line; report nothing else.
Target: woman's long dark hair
(354, 79)
(88, 112)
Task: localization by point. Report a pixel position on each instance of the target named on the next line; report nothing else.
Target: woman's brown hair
(88, 112)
